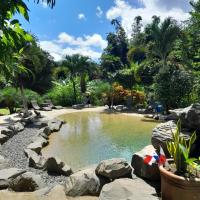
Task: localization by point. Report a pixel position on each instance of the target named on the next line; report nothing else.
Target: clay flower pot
(175, 187)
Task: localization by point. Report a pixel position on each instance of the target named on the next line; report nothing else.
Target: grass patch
(4, 111)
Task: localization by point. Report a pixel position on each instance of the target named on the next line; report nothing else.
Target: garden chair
(37, 107)
(52, 106)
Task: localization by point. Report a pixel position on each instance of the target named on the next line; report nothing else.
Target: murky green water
(89, 137)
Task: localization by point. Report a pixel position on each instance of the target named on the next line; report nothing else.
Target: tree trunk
(24, 101)
(82, 83)
(74, 88)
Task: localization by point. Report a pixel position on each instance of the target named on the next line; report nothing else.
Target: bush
(97, 88)
(11, 97)
(172, 86)
(63, 94)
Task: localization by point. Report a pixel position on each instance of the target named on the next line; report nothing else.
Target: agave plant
(179, 149)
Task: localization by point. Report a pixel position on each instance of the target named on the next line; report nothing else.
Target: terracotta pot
(175, 187)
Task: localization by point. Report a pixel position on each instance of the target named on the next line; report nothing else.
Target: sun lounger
(37, 107)
(49, 102)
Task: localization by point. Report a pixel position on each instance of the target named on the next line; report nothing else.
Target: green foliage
(11, 97)
(111, 63)
(97, 88)
(136, 54)
(146, 71)
(172, 85)
(179, 149)
(63, 94)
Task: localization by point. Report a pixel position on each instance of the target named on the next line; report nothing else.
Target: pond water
(89, 137)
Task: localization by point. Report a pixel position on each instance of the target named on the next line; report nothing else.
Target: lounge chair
(81, 105)
(37, 107)
(49, 102)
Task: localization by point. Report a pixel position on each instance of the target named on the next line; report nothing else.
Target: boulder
(84, 182)
(56, 166)
(35, 146)
(35, 160)
(189, 116)
(17, 127)
(163, 133)
(27, 182)
(7, 174)
(44, 132)
(3, 138)
(6, 131)
(150, 172)
(55, 125)
(114, 168)
(128, 189)
(39, 139)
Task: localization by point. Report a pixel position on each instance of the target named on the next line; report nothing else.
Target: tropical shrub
(172, 85)
(97, 89)
(63, 94)
(11, 97)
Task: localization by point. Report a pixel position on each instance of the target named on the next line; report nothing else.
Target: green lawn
(4, 111)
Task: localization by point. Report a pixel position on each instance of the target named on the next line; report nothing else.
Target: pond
(89, 137)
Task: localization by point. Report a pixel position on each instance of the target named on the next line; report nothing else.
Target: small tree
(172, 85)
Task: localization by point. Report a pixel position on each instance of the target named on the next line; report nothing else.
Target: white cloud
(177, 9)
(94, 40)
(89, 45)
(99, 12)
(81, 16)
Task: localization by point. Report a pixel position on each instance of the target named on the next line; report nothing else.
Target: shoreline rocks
(149, 172)
(114, 168)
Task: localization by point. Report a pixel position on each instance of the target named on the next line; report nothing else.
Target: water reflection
(89, 137)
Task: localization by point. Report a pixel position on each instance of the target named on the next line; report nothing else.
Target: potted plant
(179, 177)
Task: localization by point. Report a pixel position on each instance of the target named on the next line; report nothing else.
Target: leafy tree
(172, 85)
(136, 54)
(77, 65)
(117, 47)
(163, 37)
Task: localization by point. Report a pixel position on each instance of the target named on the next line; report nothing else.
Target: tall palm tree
(77, 65)
(163, 37)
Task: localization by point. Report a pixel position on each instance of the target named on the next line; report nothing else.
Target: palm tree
(77, 65)
(163, 37)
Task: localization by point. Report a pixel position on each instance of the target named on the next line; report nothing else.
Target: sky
(81, 26)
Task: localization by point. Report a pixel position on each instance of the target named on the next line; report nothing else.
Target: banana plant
(179, 149)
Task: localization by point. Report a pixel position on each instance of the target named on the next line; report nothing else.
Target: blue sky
(81, 26)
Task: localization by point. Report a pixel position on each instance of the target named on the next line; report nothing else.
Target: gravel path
(13, 150)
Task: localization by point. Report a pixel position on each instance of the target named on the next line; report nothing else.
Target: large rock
(84, 182)
(37, 145)
(44, 132)
(114, 168)
(17, 127)
(189, 116)
(150, 172)
(27, 182)
(3, 138)
(6, 131)
(56, 166)
(55, 125)
(35, 160)
(163, 133)
(128, 189)
(7, 174)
